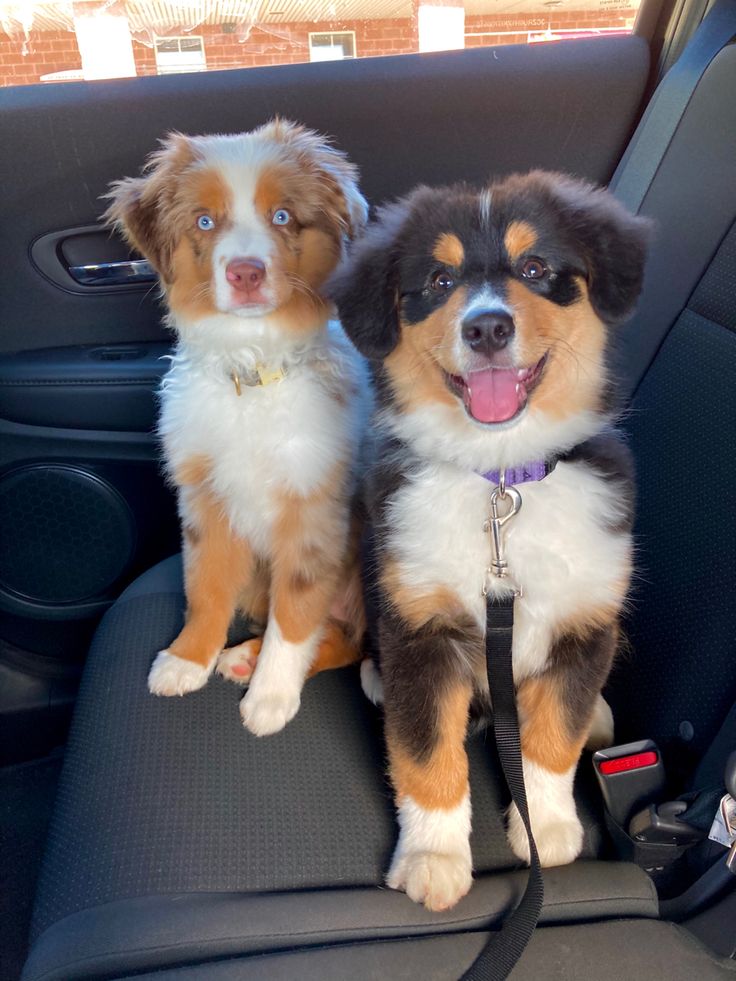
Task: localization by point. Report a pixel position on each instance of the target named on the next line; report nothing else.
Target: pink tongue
(494, 395)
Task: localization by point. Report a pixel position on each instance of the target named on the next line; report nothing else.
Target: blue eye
(205, 223)
(281, 217)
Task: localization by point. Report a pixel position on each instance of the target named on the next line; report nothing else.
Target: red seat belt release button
(630, 776)
(626, 763)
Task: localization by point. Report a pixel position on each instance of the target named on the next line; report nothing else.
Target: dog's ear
(337, 177)
(366, 287)
(142, 208)
(613, 243)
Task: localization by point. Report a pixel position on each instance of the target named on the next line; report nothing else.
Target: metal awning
(176, 16)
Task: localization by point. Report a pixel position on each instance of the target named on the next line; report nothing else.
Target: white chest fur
(284, 437)
(560, 548)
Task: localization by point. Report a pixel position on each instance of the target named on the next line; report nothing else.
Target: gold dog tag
(267, 375)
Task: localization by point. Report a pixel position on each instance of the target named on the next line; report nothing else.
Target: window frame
(312, 34)
(179, 38)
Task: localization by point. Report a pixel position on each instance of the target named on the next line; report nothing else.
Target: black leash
(503, 950)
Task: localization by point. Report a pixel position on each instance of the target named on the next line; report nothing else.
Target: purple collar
(536, 470)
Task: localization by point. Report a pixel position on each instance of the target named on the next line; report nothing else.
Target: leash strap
(505, 946)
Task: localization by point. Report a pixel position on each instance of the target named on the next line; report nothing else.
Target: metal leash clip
(495, 524)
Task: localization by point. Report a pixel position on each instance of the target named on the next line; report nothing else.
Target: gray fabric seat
(179, 837)
(611, 951)
(183, 846)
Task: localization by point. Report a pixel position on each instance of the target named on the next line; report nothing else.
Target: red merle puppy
(486, 317)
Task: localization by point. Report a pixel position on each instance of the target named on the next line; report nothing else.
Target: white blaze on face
(494, 390)
(249, 234)
(484, 301)
(484, 204)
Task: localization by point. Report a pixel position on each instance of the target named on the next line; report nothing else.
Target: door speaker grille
(67, 534)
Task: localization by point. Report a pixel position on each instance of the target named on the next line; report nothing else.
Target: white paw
(559, 840)
(265, 713)
(238, 663)
(371, 682)
(172, 675)
(438, 881)
(600, 735)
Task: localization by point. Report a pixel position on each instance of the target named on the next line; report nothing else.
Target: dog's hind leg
(335, 650)
(216, 566)
(239, 662)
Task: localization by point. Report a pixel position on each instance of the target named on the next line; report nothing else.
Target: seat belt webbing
(638, 167)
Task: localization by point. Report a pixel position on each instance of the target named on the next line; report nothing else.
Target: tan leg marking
(253, 599)
(419, 607)
(335, 650)
(310, 542)
(216, 567)
(440, 781)
(587, 620)
(194, 472)
(545, 736)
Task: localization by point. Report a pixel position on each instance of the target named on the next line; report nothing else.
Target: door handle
(114, 273)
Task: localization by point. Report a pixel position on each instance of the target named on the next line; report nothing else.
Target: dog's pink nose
(245, 275)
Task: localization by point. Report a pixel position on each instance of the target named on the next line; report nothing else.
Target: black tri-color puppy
(486, 317)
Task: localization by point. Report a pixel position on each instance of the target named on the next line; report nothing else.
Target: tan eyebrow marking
(520, 237)
(448, 249)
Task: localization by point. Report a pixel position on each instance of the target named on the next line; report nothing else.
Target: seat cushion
(176, 830)
(613, 951)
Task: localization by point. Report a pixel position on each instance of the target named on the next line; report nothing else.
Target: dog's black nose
(488, 331)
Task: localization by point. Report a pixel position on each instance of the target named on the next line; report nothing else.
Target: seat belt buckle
(630, 776)
(645, 829)
(727, 815)
(661, 825)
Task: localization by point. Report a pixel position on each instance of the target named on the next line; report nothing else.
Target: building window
(333, 46)
(179, 54)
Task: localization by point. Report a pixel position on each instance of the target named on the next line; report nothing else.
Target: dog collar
(259, 376)
(536, 470)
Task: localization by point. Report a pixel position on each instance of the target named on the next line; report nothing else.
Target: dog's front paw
(172, 675)
(267, 712)
(435, 880)
(559, 839)
(238, 663)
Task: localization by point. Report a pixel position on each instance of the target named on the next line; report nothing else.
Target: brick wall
(481, 30)
(289, 43)
(48, 51)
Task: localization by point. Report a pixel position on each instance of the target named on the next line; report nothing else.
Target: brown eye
(534, 269)
(442, 281)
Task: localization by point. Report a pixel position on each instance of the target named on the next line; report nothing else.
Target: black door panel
(434, 118)
(106, 387)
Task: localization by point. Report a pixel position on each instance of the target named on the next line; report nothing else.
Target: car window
(92, 39)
